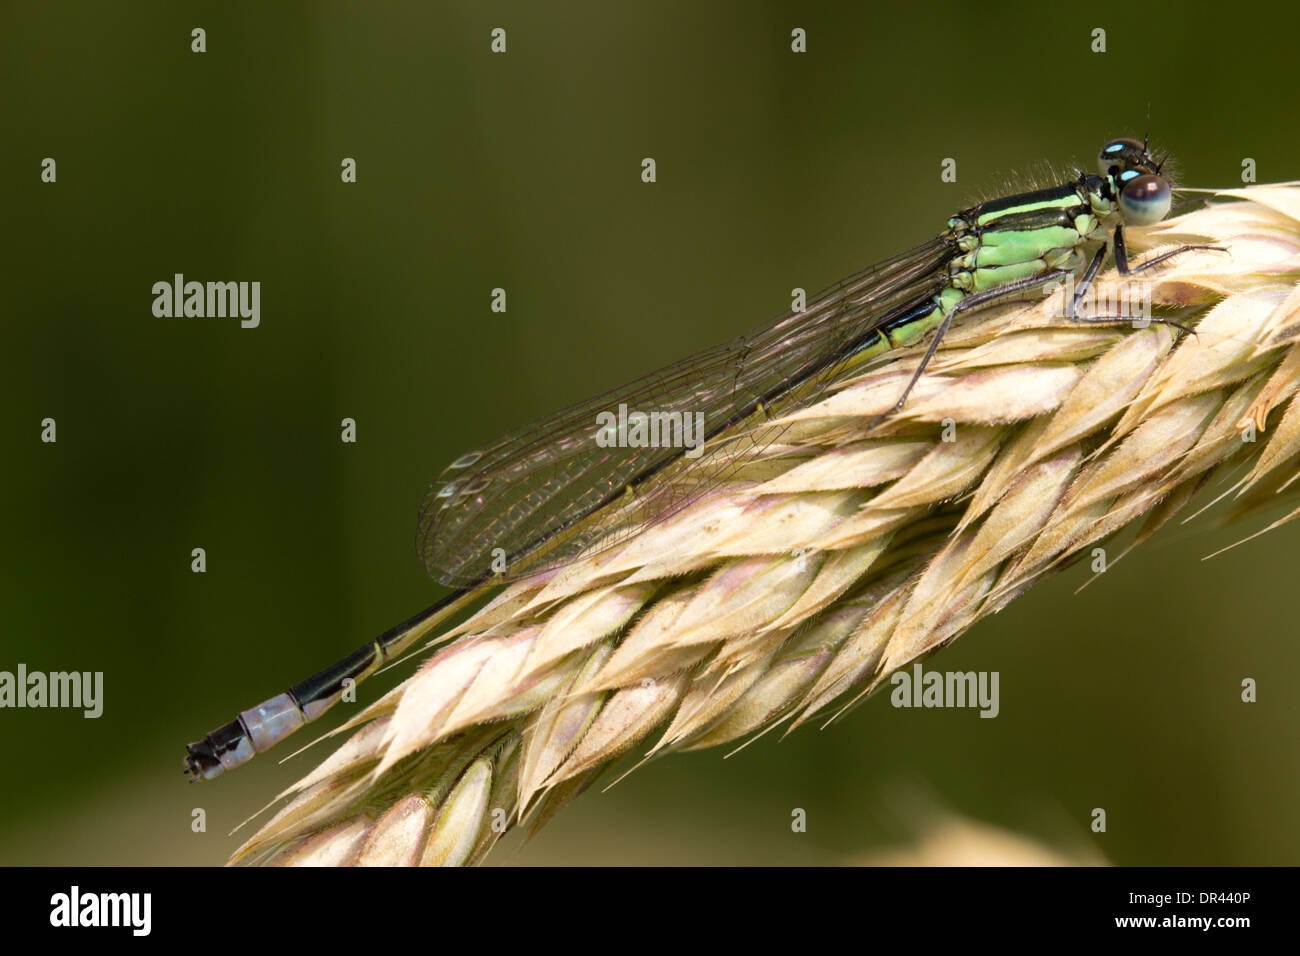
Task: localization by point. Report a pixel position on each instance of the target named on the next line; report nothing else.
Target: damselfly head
(1144, 195)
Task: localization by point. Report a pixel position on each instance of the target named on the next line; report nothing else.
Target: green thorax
(1027, 235)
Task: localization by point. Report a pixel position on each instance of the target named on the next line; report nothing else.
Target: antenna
(1146, 137)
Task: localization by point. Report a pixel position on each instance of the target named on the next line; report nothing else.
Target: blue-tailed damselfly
(540, 495)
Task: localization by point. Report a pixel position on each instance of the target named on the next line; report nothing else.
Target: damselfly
(573, 483)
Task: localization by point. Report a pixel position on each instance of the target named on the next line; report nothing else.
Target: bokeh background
(522, 171)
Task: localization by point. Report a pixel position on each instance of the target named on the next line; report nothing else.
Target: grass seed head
(837, 555)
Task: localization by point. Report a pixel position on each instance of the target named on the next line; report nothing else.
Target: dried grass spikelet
(838, 556)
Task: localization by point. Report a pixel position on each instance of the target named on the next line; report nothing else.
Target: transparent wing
(535, 492)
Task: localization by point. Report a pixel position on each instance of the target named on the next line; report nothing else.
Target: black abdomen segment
(262, 727)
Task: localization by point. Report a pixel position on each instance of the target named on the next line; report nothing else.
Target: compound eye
(1145, 200)
(1118, 152)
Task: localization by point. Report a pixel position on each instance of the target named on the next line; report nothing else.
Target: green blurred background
(522, 171)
